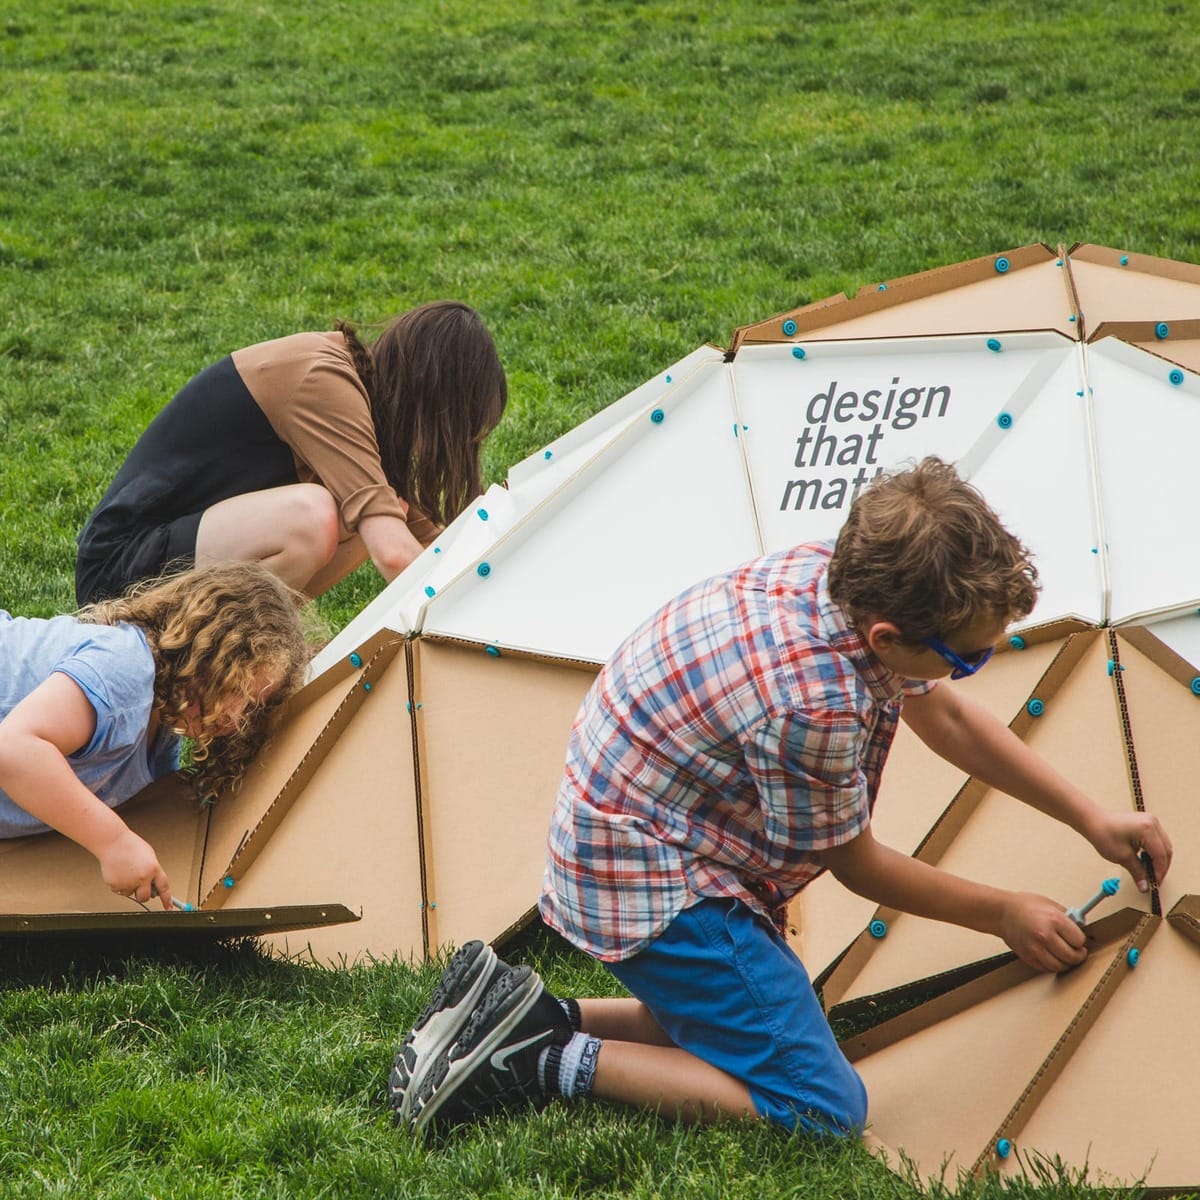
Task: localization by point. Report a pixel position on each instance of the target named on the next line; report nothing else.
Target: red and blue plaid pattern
(736, 734)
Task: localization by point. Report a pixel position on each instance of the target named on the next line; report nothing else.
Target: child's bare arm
(53, 721)
(967, 735)
(1036, 928)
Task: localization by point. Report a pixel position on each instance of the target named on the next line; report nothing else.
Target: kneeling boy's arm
(1036, 928)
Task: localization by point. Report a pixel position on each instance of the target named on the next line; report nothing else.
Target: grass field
(611, 184)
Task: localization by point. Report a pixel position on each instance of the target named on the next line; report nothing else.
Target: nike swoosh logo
(501, 1057)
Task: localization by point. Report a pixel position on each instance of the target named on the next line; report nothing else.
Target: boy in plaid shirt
(729, 752)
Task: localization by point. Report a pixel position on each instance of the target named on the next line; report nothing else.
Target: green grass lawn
(611, 184)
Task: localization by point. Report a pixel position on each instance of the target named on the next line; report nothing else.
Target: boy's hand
(1040, 933)
(130, 867)
(1122, 836)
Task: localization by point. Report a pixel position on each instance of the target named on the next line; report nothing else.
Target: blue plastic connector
(1176, 377)
(877, 928)
(1162, 331)
(1004, 1148)
(228, 881)
(1132, 956)
(1195, 686)
(799, 352)
(657, 416)
(494, 651)
(993, 344)
(789, 327)
(430, 591)
(1035, 707)
(1124, 260)
(483, 570)
(356, 660)
(1005, 420)
(1002, 264)
(1017, 642)
(482, 513)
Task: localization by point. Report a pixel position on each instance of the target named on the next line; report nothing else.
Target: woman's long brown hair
(437, 389)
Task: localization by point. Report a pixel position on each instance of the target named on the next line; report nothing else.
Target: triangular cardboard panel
(916, 788)
(1020, 289)
(1007, 844)
(295, 750)
(351, 832)
(1124, 1102)
(1175, 342)
(492, 737)
(1116, 285)
(668, 499)
(1147, 428)
(982, 1058)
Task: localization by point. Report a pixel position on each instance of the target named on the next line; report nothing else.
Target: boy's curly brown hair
(214, 631)
(921, 548)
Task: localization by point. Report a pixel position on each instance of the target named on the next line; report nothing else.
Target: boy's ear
(881, 635)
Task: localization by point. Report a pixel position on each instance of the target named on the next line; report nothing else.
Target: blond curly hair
(214, 632)
(921, 548)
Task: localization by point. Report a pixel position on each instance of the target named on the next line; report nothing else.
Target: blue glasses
(962, 666)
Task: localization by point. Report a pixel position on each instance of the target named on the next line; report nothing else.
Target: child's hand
(1040, 933)
(1122, 836)
(130, 867)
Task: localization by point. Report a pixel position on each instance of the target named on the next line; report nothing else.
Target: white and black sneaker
(494, 1061)
(466, 979)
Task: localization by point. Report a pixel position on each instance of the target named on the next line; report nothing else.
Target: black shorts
(145, 554)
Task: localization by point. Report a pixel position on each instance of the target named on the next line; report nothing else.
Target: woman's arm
(968, 736)
(57, 719)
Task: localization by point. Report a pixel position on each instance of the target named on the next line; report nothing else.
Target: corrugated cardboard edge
(1185, 917)
(377, 653)
(230, 922)
(871, 298)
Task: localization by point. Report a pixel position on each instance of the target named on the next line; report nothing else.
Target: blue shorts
(726, 987)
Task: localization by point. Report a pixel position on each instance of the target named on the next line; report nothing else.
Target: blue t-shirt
(115, 668)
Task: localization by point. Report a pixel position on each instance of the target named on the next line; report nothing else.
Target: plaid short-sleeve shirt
(735, 735)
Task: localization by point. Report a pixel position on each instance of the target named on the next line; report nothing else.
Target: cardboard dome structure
(1051, 376)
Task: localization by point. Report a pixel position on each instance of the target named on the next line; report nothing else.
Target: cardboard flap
(227, 922)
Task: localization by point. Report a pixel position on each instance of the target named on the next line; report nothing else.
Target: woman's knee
(314, 522)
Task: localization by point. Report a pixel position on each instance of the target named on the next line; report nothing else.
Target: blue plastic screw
(356, 660)
(430, 591)
(1114, 666)
(1072, 318)
(228, 881)
(1162, 330)
(1002, 264)
(494, 651)
(1132, 956)
(1124, 260)
(668, 379)
(789, 327)
(882, 287)
(877, 928)
(1004, 420)
(484, 569)
(438, 549)
(1195, 686)
(657, 416)
(799, 352)
(548, 454)
(182, 905)
(1003, 1148)
(1176, 377)
(367, 686)
(1017, 642)
(1035, 707)
(1109, 887)
(482, 513)
(994, 344)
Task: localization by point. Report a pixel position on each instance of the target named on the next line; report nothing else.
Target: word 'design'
(834, 437)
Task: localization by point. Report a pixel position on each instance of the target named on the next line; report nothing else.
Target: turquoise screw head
(1124, 260)
(548, 454)
(1111, 887)
(1035, 707)
(1132, 956)
(799, 352)
(1176, 377)
(494, 651)
(994, 344)
(356, 660)
(483, 570)
(1162, 330)
(1017, 642)
(1002, 264)
(882, 287)
(1003, 1148)
(1195, 686)
(789, 327)
(668, 378)
(1004, 420)
(367, 686)
(877, 928)
(429, 591)
(482, 513)
(657, 416)
(227, 881)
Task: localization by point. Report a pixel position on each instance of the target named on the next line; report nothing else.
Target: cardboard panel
(1125, 1100)
(1007, 844)
(982, 1058)
(668, 500)
(351, 833)
(1142, 288)
(1032, 292)
(492, 741)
